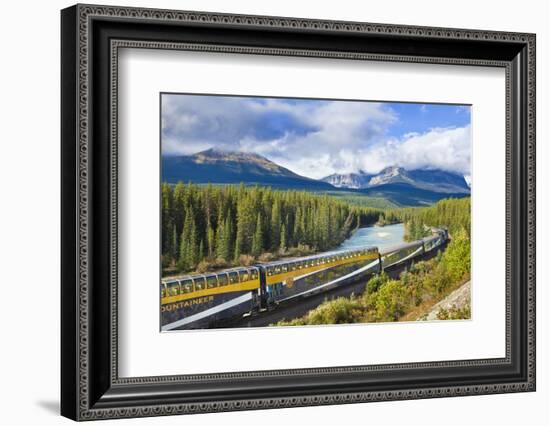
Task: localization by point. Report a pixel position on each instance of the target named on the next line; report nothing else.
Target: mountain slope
(404, 194)
(430, 180)
(214, 166)
(349, 180)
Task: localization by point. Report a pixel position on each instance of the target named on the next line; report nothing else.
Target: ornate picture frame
(91, 38)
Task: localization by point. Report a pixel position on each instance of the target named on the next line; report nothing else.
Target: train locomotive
(201, 301)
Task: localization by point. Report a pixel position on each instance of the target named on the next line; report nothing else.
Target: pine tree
(193, 254)
(174, 253)
(201, 251)
(188, 254)
(210, 240)
(245, 226)
(224, 242)
(275, 230)
(257, 239)
(282, 239)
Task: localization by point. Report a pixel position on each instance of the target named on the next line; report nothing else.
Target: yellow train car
(199, 300)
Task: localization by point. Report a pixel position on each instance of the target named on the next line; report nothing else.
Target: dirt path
(458, 299)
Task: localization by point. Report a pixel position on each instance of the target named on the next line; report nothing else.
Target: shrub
(457, 256)
(339, 311)
(455, 313)
(211, 265)
(246, 260)
(376, 282)
(267, 257)
(391, 301)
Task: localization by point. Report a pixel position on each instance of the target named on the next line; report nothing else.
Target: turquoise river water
(377, 236)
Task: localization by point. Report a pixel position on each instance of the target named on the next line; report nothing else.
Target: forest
(207, 226)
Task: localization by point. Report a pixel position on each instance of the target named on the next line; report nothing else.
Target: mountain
(228, 167)
(404, 187)
(349, 180)
(430, 180)
(404, 194)
(394, 184)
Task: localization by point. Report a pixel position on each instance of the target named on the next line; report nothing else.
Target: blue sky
(420, 118)
(316, 138)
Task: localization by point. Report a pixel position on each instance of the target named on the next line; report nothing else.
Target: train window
(233, 277)
(253, 274)
(186, 286)
(293, 266)
(200, 283)
(211, 281)
(163, 290)
(173, 288)
(244, 276)
(278, 269)
(222, 279)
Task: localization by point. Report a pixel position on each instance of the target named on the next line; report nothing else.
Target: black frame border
(90, 37)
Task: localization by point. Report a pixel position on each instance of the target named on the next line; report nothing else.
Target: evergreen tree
(282, 239)
(224, 240)
(275, 230)
(245, 225)
(210, 240)
(188, 254)
(257, 239)
(201, 251)
(174, 253)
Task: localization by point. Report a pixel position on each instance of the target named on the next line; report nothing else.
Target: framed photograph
(263, 212)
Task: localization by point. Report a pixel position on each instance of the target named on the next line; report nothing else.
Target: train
(202, 301)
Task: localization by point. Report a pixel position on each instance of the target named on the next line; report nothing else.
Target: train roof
(401, 246)
(207, 274)
(316, 256)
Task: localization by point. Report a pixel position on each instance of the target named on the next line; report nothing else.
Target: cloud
(447, 149)
(311, 137)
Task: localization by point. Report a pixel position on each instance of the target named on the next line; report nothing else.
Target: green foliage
(457, 256)
(376, 282)
(362, 200)
(390, 301)
(452, 213)
(232, 221)
(258, 238)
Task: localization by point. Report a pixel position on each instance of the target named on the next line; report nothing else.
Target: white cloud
(314, 138)
(446, 149)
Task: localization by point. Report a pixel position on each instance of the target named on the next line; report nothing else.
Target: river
(377, 236)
